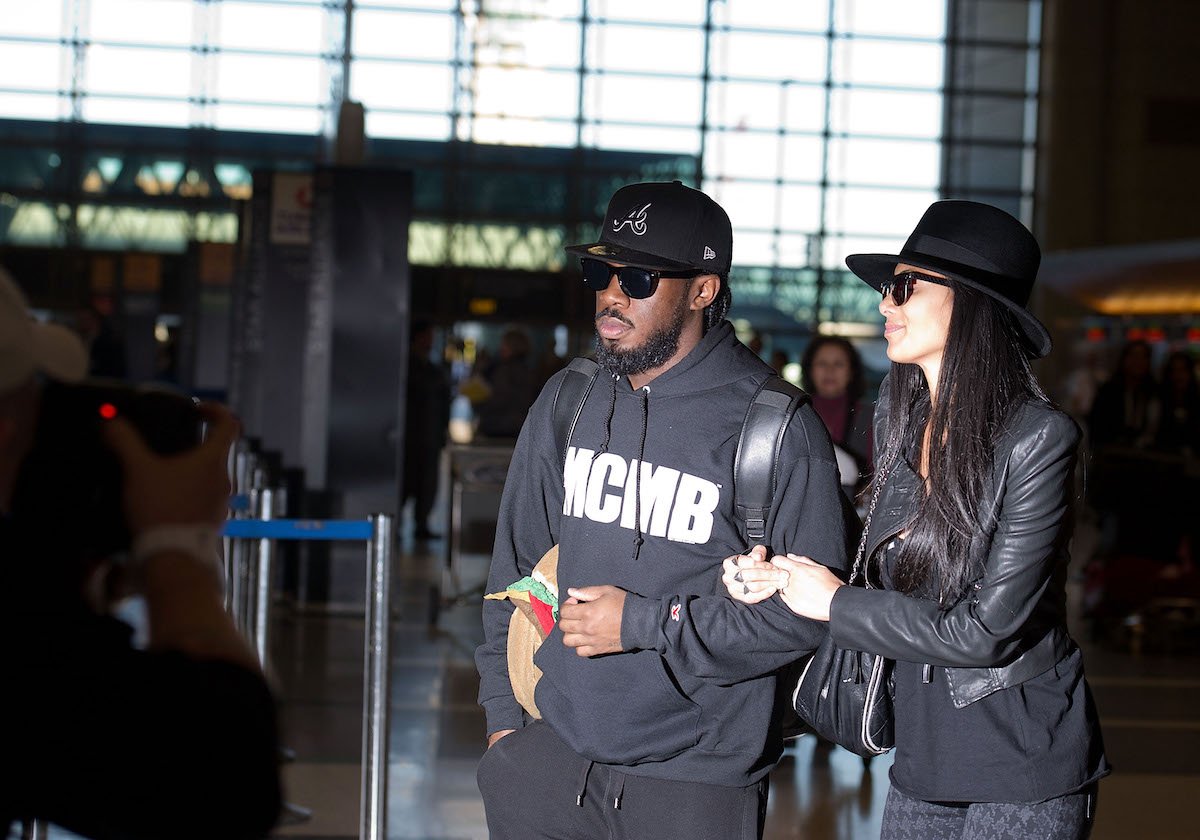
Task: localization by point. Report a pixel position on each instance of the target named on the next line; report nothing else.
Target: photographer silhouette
(109, 741)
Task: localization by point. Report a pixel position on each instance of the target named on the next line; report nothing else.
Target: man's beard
(654, 352)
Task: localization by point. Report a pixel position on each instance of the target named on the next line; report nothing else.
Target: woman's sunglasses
(900, 287)
(637, 283)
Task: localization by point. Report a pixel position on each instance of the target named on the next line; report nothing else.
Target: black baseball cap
(663, 226)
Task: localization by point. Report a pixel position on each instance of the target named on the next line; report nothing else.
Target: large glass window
(822, 127)
(137, 21)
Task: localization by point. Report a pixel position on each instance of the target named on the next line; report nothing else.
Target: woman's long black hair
(984, 377)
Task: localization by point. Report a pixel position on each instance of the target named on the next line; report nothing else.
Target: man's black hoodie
(691, 697)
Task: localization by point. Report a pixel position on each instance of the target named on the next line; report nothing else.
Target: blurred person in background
(513, 386)
(1125, 410)
(109, 741)
(426, 420)
(755, 343)
(548, 363)
(831, 370)
(1179, 406)
(1124, 486)
(105, 347)
(1179, 435)
(779, 361)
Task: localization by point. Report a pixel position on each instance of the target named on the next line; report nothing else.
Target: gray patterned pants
(1067, 817)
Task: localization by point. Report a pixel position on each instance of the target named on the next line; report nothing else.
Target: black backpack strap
(756, 465)
(572, 392)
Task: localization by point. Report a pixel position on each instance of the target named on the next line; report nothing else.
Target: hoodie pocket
(617, 709)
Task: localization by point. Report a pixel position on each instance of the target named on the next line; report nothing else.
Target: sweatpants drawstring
(583, 783)
(620, 792)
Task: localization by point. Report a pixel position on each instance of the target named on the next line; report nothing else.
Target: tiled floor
(1150, 706)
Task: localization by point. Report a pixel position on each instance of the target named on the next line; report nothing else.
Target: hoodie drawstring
(638, 539)
(583, 783)
(644, 394)
(612, 407)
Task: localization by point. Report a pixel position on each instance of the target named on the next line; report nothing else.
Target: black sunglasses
(900, 287)
(637, 283)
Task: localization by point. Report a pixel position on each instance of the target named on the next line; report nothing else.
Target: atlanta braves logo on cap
(636, 221)
(690, 233)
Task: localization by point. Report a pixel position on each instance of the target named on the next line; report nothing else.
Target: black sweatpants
(536, 788)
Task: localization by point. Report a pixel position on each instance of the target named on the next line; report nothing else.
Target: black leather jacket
(1011, 626)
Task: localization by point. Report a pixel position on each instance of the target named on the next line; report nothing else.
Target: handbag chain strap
(880, 478)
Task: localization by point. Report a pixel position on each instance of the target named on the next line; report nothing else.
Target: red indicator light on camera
(108, 411)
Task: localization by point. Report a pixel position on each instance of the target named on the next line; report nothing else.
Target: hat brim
(608, 252)
(59, 353)
(877, 269)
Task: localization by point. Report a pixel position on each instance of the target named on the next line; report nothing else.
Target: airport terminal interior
(285, 205)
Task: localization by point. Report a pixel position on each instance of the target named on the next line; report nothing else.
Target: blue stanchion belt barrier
(379, 534)
(299, 529)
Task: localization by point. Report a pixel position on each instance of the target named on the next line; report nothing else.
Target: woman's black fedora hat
(979, 246)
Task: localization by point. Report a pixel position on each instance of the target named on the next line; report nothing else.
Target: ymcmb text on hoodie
(644, 502)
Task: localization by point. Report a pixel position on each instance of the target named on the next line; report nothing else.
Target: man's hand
(749, 578)
(189, 488)
(591, 620)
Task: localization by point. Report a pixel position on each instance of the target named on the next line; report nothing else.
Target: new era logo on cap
(663, 226)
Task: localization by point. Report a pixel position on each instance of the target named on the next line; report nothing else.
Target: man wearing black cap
(671, 734)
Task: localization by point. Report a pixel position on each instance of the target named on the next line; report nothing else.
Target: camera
(69, 486)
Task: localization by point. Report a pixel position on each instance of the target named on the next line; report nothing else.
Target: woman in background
(831, 372)
(1179, 406)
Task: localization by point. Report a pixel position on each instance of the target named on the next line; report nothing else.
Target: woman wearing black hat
(966, 546)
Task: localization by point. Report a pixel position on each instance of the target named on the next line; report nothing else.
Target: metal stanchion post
(235, 586)
(247, 471)
(262, 590)
(377, 682)
(248, 578)
(34, 830)
(231, 556)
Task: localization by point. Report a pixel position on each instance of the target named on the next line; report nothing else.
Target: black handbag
(845, 696)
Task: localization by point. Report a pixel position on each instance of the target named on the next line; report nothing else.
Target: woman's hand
(809, 588)
(750, 578)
